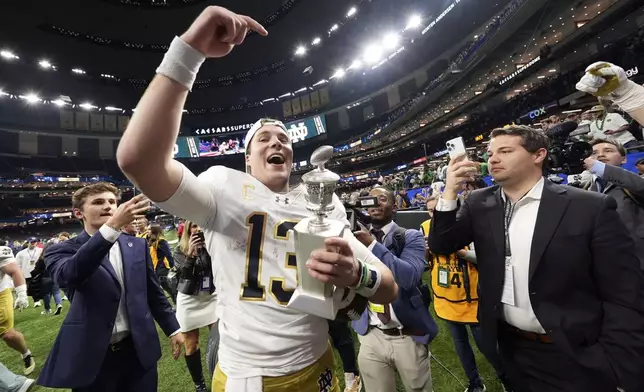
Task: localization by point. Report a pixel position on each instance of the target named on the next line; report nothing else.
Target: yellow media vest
(155, 257)
(458, 301)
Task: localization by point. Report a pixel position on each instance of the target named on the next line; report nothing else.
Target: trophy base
(313, 296)
(325, 307)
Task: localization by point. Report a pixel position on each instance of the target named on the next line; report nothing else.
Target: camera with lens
(356, 210)
(567, 151)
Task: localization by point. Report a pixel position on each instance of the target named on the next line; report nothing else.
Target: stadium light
(339, 74)
(108, 76)
(390, 40)
(59, 102)
(78, 71)
(5, 54)
(413, 22)
(31, 98)
(334, 28)
(45, 64)
(316, 41)
(352, 11)
(87, 106)
(355, 64)
(301, 90)
(2, 93)
(284, 95)
(300, 51)
(323, 81)
(372, 54)
(113, 109)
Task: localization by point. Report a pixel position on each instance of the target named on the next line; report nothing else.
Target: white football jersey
(246, 228)
(6, 257)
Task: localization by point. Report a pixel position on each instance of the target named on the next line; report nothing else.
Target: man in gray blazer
(625, 186)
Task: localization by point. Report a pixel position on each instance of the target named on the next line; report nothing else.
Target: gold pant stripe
(318, 377)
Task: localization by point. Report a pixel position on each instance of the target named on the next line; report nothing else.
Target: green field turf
(40, 332)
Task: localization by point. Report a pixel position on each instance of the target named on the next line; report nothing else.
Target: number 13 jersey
(246, 228)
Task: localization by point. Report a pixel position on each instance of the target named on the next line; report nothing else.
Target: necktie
(386, 316)
(379, 234)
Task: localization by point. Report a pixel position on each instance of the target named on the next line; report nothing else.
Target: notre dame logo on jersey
(325, 381)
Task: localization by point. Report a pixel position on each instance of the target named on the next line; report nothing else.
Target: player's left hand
(603, 78)
(335, 264)
(364, 237)
(176, 342)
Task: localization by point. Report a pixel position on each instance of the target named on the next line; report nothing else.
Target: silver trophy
(312, 296)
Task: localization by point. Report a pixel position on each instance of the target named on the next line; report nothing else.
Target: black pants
(122, 372)
(343, 342)
(533, 366)
(162, 274)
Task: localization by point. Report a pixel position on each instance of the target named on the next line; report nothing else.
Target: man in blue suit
(108, 341)
(396, 336)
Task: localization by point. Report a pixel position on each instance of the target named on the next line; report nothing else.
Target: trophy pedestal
(312, 296)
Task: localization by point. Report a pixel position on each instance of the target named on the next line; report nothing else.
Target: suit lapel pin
(129, 244)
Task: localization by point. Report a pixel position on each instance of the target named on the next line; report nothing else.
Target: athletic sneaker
(46, 312)
(30, 364)
(26, 385)
(37, 304)
(201, 388)
(352, 383)
(476, 387)
(59, 308)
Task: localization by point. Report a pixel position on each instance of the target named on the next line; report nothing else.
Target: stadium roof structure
(105, 51)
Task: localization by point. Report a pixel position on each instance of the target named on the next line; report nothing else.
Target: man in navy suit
(396, 336)
(108, 341)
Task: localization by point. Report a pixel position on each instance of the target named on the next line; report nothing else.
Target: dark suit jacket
(408, 271)
(632, 215)
(81, 265)
(586, 287)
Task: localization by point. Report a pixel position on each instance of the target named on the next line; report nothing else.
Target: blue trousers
(46, 296)
(10, 382)
(466, 354)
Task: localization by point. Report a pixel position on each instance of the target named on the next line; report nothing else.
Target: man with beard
(395, 337)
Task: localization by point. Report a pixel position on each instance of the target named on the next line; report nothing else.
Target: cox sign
(537, 113)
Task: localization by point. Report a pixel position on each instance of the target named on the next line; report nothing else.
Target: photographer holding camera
(395, 336)
(625, 186)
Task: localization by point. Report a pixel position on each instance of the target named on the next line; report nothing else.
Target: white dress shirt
(122, 322)
(26, 260)
(520, 231)
(373, 316)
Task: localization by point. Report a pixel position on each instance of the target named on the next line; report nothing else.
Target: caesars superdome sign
(222, 129)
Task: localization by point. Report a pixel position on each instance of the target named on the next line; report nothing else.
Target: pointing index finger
(254, 25)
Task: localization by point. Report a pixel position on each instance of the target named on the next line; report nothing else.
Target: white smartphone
(456, 147)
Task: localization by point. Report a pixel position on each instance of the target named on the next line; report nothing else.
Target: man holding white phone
(561, 289)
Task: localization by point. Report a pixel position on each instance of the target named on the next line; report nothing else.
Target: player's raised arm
(604, 79)
(145, 153)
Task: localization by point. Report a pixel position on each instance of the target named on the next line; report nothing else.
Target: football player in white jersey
(12, 337)
(246, 217)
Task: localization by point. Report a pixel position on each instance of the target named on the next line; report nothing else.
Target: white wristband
(630, 98)
(181, 63)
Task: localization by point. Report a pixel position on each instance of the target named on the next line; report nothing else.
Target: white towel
(250, 384)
